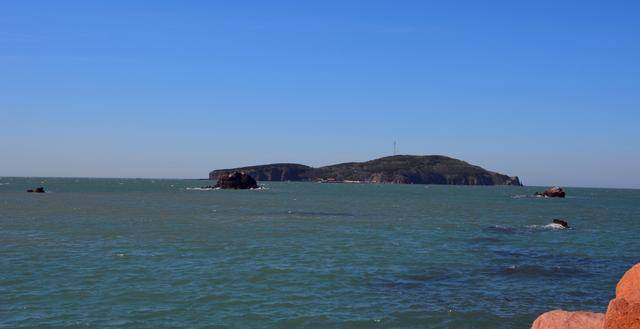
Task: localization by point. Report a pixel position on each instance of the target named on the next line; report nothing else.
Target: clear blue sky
(547, 90)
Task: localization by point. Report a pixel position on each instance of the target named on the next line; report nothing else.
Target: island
(397, 169)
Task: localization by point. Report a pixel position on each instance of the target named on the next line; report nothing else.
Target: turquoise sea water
(133, 253)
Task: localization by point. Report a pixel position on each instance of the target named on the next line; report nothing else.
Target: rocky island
(397, 169)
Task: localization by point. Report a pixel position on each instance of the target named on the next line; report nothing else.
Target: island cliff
(398, 169)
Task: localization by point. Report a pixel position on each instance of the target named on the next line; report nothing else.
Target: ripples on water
(151, 253)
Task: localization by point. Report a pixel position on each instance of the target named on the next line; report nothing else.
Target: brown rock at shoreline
(622, 314)
(559, 319)
(629, 285)
(624, 310)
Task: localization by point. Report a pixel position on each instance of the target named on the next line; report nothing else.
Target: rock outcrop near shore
(236, 181)
(623, 311)
(399, 169)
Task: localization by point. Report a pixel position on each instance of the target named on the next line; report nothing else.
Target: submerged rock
(552, 192)
(36, 190)
(559, 319)
(564, 223)
(236, 180)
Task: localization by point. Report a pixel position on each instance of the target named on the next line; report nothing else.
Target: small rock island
(552, 192)
(236, 181)
(397, 169)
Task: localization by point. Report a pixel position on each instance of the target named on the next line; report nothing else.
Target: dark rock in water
(37, 190)
(552, 192)
(237, 181)
(561, 222)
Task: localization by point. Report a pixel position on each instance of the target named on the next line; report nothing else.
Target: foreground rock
(622, 314)
(36, 190)
(624, 310)
(629, 285)
(236, 181)
(559, 319)
(552, 192)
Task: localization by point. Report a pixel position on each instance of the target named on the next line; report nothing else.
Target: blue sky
(547, 90)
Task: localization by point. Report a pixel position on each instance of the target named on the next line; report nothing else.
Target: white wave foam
(218, 188)
(552, 226)
(201, 188)
(519, 196)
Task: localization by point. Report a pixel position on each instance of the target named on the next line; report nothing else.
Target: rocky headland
(398, 169)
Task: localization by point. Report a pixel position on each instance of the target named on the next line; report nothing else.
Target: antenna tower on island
(395, 148)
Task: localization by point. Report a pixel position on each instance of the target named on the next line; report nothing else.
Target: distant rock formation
(399, 169)
(36, 190)
(278, 172)
(623, 311)
(237, 181)
(552, 192)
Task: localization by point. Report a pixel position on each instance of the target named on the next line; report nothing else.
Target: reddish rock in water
(624, 311)
(559, 319)
(236, 181)
(552, 192)
(37, 190)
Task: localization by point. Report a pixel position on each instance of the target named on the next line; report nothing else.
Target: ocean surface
(140, 253)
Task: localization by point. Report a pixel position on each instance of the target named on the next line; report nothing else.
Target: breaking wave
(217, 188)
(552, 226)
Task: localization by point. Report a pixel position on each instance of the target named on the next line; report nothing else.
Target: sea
(155, 253)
